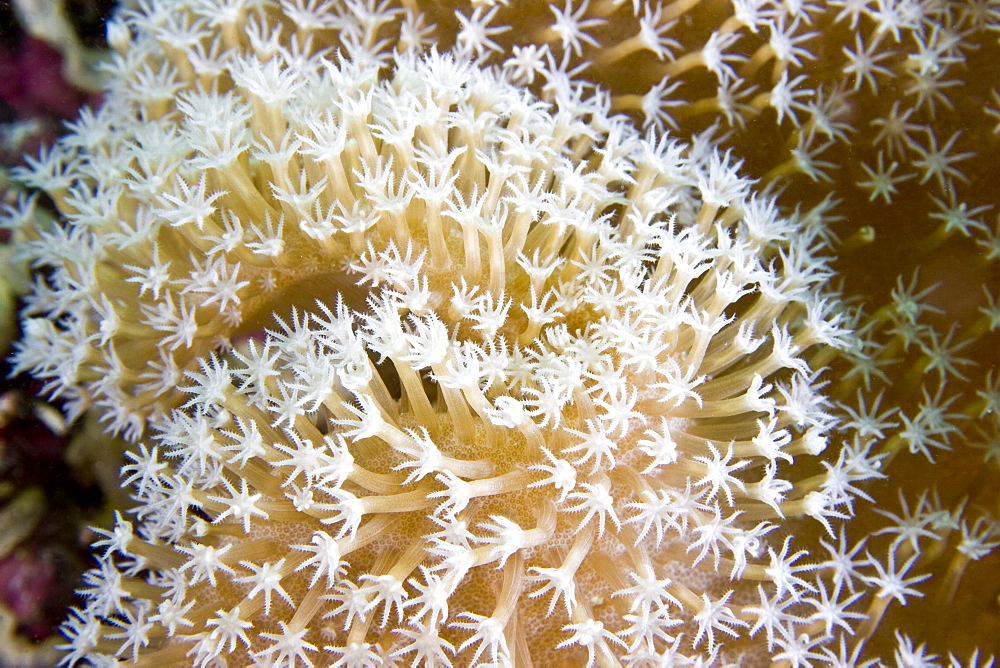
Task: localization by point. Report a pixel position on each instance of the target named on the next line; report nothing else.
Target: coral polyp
(426, 356)
(578, 382)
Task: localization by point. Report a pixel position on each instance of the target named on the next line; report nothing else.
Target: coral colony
(462, 336)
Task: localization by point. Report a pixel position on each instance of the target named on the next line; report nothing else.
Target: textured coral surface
(539, 383)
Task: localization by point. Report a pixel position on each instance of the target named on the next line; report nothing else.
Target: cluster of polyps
(562, 427)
